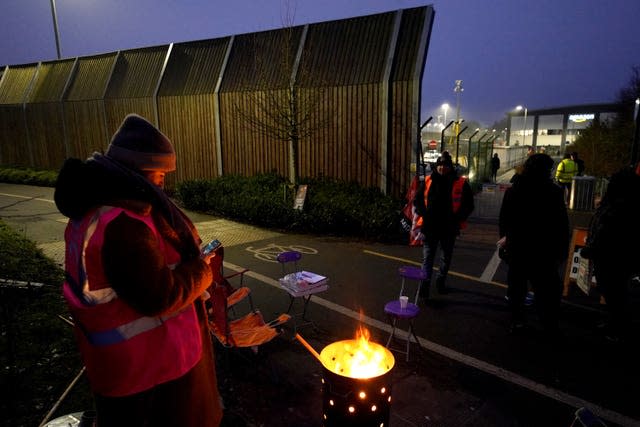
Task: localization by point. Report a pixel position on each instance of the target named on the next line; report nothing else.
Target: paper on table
(310, 277)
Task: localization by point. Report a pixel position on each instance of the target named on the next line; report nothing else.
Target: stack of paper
(312, 279)
(305, 282)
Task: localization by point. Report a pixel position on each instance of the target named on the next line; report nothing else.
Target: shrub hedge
(19, 175)
(331, 206)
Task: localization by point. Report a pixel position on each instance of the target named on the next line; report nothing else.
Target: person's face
(155, 177)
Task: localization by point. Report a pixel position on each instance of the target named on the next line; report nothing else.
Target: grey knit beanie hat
(140, 145)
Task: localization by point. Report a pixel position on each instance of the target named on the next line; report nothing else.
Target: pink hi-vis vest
(124, 352)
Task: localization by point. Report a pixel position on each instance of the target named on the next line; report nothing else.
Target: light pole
(458, 90)
(524, 124)
(445, 107)
(636, 133)
(55, 26)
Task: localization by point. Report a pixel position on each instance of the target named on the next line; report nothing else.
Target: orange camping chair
(245, 331)
(234, 295)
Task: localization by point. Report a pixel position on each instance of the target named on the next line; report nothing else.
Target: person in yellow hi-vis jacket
(565, 172)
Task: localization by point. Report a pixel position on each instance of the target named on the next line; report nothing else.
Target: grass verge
(38, 354)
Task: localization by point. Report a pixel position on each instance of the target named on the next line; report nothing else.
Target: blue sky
(537, 53)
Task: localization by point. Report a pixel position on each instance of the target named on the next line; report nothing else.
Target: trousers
(430, 246)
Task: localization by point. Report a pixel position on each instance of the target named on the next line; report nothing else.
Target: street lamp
(445, 107)
(458, 90)
(55, 26)
(636, 133)
(524, 124)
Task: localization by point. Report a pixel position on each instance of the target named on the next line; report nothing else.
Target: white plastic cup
(404, 300)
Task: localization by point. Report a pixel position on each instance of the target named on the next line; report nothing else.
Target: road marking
(473, 278)
(453, 273)
(27, 197)
(490, 269)
(270, 252)
(512, 377)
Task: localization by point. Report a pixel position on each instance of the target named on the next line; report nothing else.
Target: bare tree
(280, 109)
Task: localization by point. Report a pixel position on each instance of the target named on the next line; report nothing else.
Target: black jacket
(437, 216)
(615, 222)
(534, 218)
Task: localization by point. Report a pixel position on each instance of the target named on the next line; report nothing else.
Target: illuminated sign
(579, 118)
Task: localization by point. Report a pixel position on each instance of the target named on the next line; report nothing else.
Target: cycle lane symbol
(270, 252)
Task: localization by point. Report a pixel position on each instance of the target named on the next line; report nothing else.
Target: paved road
(472, 372)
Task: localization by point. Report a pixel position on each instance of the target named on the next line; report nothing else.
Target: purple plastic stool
(395, 312)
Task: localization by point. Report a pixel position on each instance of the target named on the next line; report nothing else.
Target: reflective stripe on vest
(104, 295)
(126, 331)
(123, 351)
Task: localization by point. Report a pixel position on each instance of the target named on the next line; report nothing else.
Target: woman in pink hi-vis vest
(134, 282)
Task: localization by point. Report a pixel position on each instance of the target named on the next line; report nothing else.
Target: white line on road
(490, 269)
(18, 196)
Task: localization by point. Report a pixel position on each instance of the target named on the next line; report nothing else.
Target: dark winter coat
(438, 218)
(613, 233)
(495, 164)
(135, 267)
(534, 219)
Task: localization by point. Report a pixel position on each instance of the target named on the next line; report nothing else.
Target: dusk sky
(536, 53)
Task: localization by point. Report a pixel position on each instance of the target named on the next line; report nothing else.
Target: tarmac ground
(468, 370)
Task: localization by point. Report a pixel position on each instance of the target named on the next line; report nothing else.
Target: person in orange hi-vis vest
(444, 203)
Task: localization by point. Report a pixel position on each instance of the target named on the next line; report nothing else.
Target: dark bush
(331, 206)
(19, 175)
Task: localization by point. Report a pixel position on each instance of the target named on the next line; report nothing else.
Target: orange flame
(357, 358)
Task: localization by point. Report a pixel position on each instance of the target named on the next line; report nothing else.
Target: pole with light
(445, 107)
(636, 133)
(55, 26)
(524, 124)
(458, 90)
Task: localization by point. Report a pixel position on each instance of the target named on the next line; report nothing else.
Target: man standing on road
(614, 263)
(534, 229)
(444, 202)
